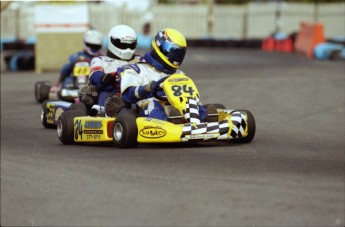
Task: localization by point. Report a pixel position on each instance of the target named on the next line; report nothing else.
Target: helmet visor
(94, 47)
(174, 53)
(122, 45)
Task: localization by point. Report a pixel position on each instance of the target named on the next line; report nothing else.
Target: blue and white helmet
(93, 42)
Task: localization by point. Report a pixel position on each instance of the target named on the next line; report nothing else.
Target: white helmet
(122, 41)
(93, 42)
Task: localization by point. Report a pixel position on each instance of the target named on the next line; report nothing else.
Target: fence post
(316, 12)
(278, 17)
(210, 18)
(245, 21)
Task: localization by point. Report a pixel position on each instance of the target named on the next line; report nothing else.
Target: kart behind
(128, 130)
(45, 90)
(51, 110)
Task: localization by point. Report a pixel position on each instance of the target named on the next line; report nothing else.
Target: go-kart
(45, 90)
(51, 110)
(128, 130)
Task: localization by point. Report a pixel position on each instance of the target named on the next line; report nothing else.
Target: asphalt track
(292, 174)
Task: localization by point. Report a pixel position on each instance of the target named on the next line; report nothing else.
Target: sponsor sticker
(93, 131)
(93, 137)
(152, 132)
(93, 124)
(203, 136)
(174, 80)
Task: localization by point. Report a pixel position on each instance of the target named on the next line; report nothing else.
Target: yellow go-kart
(128, 130)
(68, 91)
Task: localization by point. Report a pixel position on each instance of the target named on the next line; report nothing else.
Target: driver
(122, 42)
(168, 49)
(92, 40)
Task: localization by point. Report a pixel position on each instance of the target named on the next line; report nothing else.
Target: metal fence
(253, 20)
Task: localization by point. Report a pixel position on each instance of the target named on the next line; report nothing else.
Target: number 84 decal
(178, 90)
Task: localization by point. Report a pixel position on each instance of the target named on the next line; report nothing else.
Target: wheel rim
(118, 132)
(42, 115)
(59, 129)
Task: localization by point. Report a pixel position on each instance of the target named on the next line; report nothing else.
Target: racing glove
(56, 87)
(150, 87)
(108, 79)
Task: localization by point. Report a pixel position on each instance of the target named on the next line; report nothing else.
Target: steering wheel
(155, 89)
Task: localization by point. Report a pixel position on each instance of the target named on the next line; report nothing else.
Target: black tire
(44, 113)
(125, 130)
(251, 128)
(79, 106)
(43, 92)
(217, 105)
(212, 117)
(65, 126)
(38, 87)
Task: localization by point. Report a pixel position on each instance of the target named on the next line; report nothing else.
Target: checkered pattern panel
(203, 128)
(239, 121)
(223, 127)
(192, 111)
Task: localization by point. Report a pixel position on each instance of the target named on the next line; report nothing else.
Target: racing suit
(67, 69)
(101, 66)
(135, 77)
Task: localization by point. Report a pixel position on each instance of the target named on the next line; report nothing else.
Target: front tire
(38, 87)
(65, 126)
(251, 128)
(42, 91)
(125, 130)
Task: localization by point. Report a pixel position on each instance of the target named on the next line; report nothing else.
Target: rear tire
(65, 126)
(251, 128)
(79, 106)
(125, 130)
(217, 105)
(44, 113)
(211, 113)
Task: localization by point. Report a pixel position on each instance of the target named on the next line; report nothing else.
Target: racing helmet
(92, 42)
(169, 47)
(122, 41)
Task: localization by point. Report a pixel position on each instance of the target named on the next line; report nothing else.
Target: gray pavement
(292, 174)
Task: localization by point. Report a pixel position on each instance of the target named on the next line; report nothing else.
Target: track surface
(292, 174)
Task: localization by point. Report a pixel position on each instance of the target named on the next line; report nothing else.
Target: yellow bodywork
(178, 89)
(152, 130)
(50, 113)
(93, 129)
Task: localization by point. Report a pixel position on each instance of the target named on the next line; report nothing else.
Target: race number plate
(81, 69)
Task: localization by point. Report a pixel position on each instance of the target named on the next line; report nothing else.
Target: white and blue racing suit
(133, 80)
(101, 66)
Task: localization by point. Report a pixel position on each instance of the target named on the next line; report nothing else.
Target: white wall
(191, 20)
